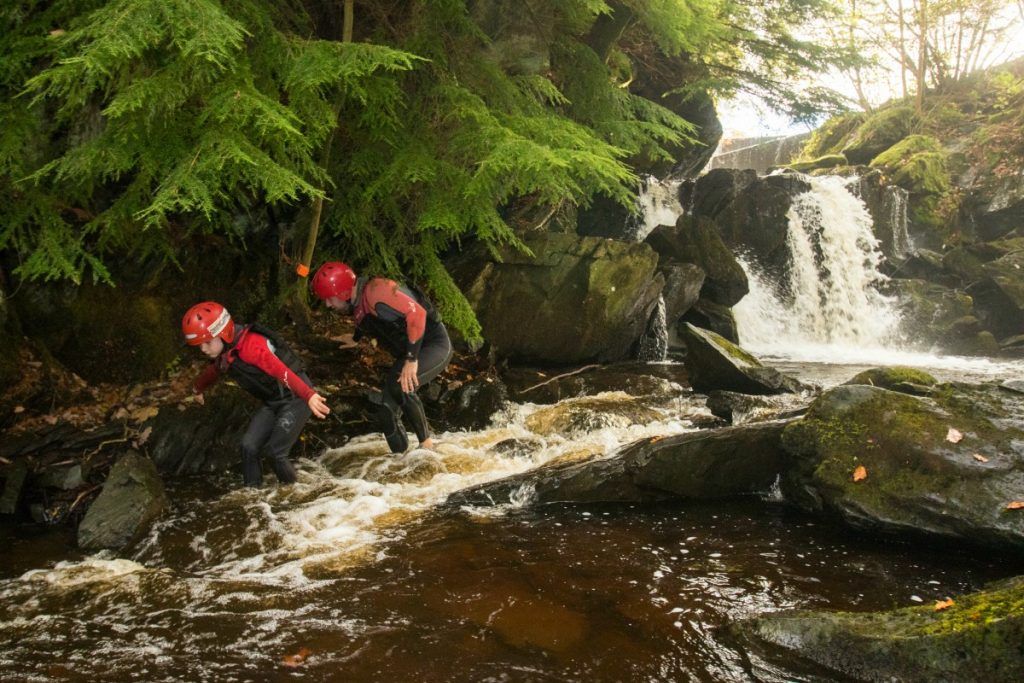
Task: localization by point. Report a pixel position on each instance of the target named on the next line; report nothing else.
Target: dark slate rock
(14, 482)
(715, 363)
(694, 466)
(132, 498)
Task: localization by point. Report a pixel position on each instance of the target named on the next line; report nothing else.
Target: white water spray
(829, 295)
(658, 205)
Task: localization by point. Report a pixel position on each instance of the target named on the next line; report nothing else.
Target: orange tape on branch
(302, 269)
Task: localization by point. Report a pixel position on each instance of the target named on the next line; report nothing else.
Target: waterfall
(653, 344)
(829, 296)
(895, 201)
(657, 204)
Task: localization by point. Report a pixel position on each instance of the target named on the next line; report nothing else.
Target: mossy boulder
(919, 457)
(879, 131)
(713, 362)
(826, 161)
(935, 316)
(899, 154)
(574, 299)
(896, 378)
(116, 335)
(832, 136)
(978, 638)
(707, 315)
(696, 240)
(1007, 274)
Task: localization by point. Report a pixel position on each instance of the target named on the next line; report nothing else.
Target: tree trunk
(302, 270)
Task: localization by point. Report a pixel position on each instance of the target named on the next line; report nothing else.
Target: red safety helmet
(205, 321)
(334, 279)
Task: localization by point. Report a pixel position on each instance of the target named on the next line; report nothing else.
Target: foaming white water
(351, 500)
(658, 205)
(829, 297)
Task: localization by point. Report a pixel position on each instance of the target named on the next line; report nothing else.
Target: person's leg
(390, 413)
(255, 436)
(290, 418)
(435, 355)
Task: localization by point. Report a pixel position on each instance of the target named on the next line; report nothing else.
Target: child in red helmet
(406, 325)
(264, 366)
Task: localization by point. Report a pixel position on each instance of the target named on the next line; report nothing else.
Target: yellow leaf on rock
(979, 457)
(1015, 505)
(954, 436)
(860, 474)
(943, 604)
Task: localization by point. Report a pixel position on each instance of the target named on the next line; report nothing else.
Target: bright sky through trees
(873, 29)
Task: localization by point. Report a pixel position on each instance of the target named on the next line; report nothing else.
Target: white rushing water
(349, 502)
(829, 297)
(828, 310)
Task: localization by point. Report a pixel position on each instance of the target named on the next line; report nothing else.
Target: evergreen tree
(131, 124)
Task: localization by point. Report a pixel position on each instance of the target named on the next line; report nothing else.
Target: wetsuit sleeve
(387, 301)
(254, 349)
(207, 378)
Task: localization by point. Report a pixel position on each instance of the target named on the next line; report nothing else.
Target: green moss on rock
(879, 132)
(894, 377)
(829, 161)
(900, 153)
(831, 136)
(978, 638)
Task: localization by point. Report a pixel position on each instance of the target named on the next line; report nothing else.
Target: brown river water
(360, 572)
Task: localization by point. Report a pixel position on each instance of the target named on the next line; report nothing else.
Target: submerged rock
(713, 362)
(132, 498)
(946, 466)
(978, 638)
(695, 466)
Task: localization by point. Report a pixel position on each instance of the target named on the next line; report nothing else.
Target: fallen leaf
(860, 474)
(144, 436)
(979, 457)
(297, 658)
(655, 439)
(1015, 505)
(19, 409)
(145, 413)
(943, 604)
(953, 436)
(57, 32)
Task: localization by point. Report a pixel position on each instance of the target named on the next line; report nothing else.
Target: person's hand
(408, 379)
(319, 406)
(199, 398)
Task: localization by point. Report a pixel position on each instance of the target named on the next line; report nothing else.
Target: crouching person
(406, 325)
(257, 359)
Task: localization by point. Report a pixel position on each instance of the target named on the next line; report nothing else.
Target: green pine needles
(130, 126)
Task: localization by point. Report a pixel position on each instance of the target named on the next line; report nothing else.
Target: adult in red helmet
(405, 324)
(262, 364)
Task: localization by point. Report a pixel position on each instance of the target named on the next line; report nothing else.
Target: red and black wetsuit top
(398, 317)
(261, 364)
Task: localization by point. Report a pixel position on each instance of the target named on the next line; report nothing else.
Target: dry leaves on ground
(861, 473)
(979, 457)
(954, 436)
(943, 604)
